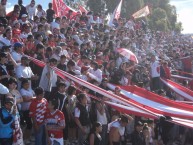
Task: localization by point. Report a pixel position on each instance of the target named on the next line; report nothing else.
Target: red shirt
(29, 46)
(38, 109)
(167, 72)
(51, 44)
(187, 63)
(56, 118)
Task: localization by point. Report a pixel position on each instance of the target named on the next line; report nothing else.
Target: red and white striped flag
(61, 9)
(142, 12)
(116, 14)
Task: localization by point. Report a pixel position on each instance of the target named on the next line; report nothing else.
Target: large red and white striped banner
(180, 90)
(137, 101)
(61, 9)
(156, 103)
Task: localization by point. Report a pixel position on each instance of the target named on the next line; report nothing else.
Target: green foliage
(158, 14)
(178, 27)
(94, 5)
(132, 6)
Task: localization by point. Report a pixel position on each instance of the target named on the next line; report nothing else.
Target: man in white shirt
(155, 73)
(23, 71)
(31, 9)
(96, 72)
(23, 19)
(17, 53)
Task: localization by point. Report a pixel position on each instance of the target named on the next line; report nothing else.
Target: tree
(95, 5)
(158, 14)
(132, 6)
(163, 15)
(178, 27)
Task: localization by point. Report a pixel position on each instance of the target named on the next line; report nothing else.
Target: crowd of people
(37, 105)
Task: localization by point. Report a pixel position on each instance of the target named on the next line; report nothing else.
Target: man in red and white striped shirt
(38, 110)
(55, 123)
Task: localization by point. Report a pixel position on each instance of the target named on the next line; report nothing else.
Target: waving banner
(116, 14)
(137, 101)
(61, 9)
(180, 90)
(142, 13)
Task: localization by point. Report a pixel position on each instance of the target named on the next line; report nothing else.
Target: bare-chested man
(117, 129)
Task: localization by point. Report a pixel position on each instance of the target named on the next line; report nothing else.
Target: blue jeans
(40, 136)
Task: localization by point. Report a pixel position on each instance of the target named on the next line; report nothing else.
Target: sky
(185, 14)
(184, 11)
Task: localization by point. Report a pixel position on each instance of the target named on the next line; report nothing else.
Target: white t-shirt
(102, 118)
(23, 72)
(16, 56)
(117, 124)
(3, 89)
(155, 69)
(97, 73)
(41, 13)
(27, 93)
(31, 11)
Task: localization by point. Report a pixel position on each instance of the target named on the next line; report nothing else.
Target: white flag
(116, 13)
(142, 12)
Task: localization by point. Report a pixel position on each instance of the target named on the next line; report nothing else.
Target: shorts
(57, 141)
(27, 119)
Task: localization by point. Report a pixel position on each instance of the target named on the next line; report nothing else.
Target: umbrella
(128, 54)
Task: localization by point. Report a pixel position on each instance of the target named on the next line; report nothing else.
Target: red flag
(61, 9)
(82, 9)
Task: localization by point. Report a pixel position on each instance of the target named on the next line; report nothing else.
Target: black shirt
(137, 138)
(97, 140)
(62, 103)
(50, 15)
(61, 66)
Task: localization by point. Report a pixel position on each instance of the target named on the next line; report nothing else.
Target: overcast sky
(184, 11)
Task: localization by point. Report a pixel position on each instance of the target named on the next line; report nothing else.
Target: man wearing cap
(117, 129)
(17, 51)
(23, 71)
(23, 19)
(7, 116)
